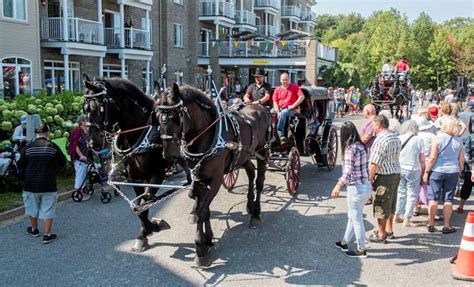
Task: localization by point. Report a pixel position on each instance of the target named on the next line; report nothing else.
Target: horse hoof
(203, 261)
(160, 224)
(255, 222)
(140, 245)
(193, 219)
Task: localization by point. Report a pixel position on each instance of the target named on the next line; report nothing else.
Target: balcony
(249, 18)
(134, 38)
(327, 53)
(257, 49)
(308, 16)
(267, 4)
(291, 12)
(208, 9)
(79, 30)
(272, 30)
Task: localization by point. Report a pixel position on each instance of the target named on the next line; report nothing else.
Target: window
(54, 76)
(180, 2)
(15, 9)
(178, 35)
(111, 71)
(15, 74)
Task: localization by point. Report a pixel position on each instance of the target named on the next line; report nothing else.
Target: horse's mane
(123, 88)
(193, 95)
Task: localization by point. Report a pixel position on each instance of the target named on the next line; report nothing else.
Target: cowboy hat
(259, 72)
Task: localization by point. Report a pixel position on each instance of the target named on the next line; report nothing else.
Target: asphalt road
(294, 245)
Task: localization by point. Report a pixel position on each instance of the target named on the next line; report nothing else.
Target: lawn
(10, 200)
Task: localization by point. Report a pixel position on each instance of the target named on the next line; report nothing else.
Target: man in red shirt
(286, 98)
(402, 65)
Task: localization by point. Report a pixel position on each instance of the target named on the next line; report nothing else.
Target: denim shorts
(40, 205)
(442, 186)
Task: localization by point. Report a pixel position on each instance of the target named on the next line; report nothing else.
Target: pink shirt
(368, 129)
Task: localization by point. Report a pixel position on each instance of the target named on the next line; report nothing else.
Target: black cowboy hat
(259, 72)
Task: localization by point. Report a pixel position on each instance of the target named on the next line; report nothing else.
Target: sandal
(390, 235)
(376, 239)
(448, 230)
(416, 213)
(398, 219)
(431, 228)
(460, 209)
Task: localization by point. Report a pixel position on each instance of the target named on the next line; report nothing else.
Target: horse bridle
(103, 106)
(180, 110)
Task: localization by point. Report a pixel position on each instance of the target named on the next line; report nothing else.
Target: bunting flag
(236, 43)
(267, 44)
(277, 41)
(283, 43)
(249, 44)
(213, 44)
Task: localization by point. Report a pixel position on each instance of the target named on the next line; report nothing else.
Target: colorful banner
(283, 43)
(236, 43)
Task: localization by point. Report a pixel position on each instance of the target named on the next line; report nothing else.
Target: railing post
(76, 22)
(131, 38)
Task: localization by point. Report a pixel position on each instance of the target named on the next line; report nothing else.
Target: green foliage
(367, 43)
(58, 111)
(340, 75)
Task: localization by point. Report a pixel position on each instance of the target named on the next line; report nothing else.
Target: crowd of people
(344, 101)
(400, 168)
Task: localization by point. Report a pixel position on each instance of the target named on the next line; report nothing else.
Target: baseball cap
(433, 110)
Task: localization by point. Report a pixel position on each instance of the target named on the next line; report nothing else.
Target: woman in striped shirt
(355, 175)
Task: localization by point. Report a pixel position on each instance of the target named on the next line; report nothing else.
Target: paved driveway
(294, 245)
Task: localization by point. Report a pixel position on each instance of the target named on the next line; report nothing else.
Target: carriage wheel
(332, 149)
(105, 197)
(293, 171)
(230, 179)
(77, 196)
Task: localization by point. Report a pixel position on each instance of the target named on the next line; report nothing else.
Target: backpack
(74, 142)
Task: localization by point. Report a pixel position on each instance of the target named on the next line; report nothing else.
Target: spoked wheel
(292, 173)
(77, 196)
(332, 149)
(230, 179)
(105, 197)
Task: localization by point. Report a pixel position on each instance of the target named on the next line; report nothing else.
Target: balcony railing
(267, 3)
(272, 30)
(249, 18)
(291, 11)
(307, 15)
(213, 8)
(285, 49)
(134, 38)
(79, 30)
(326, 52)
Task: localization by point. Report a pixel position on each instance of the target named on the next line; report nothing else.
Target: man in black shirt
(40, 161)
(258, 92)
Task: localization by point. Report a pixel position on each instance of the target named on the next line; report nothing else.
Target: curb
(18, 211)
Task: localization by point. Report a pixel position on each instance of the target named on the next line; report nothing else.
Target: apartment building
(20, 71)
(273, 34)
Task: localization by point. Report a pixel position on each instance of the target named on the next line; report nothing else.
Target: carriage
(389, 90)
(310, 133)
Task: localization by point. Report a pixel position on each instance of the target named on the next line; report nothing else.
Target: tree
(345, 26)
(441, 64)
(324, 22)
(340, 75)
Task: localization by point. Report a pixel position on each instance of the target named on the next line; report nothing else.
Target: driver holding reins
(286, 98)
(258, 92)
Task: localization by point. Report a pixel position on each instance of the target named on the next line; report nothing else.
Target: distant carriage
(391, 90)
(310, 133)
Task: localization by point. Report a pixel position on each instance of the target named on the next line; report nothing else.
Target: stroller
(10, 175)
(97, 172)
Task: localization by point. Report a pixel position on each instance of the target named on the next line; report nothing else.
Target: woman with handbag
(442, 172)
(412, 163)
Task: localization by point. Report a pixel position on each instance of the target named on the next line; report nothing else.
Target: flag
(236, 43)
(283, 43)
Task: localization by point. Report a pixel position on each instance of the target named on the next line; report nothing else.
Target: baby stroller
(97, 172)
(10, 176)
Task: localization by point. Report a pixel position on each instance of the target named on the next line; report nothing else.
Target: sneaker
(49, 238)
(343, 247)
(356, 253)
(34, 233)
(85, 197)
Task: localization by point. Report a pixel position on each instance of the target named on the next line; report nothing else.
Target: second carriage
(310, 133)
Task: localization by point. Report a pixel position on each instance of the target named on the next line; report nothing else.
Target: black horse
(117, 104)
(191, 125)
(392, 92)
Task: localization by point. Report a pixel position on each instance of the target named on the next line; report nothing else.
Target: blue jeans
(285, 115)
(357, 196)
(408, 191)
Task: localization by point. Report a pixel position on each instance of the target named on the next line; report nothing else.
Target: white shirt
(449, 98)
(387, 68)
(427, 138)
(410, 154)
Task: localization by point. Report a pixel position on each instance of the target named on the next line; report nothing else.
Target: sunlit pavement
(294, 244)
